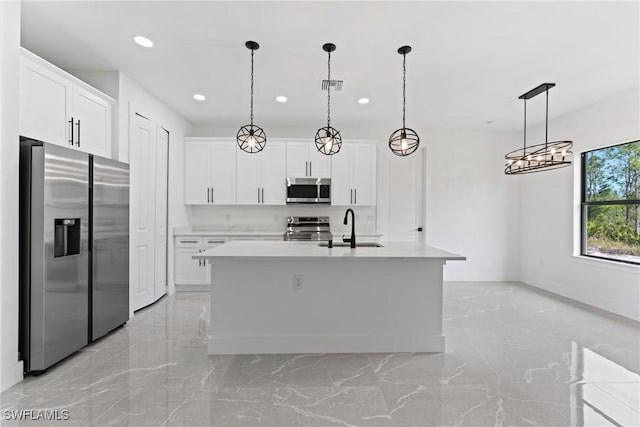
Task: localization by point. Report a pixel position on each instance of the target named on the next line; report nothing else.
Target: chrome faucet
(352, 240)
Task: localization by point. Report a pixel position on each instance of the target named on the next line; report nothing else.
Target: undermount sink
(346, 245)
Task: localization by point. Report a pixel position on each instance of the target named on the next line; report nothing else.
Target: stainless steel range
(308, 228)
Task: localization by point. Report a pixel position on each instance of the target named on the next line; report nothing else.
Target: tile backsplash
(202, 217)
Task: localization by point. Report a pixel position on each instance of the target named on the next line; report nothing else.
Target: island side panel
(343, 306)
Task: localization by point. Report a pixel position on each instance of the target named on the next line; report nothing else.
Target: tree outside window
(611, 203)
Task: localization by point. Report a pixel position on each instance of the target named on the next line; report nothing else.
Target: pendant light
(328, 139)
(404, 141)
(540, 157)
(251, 138)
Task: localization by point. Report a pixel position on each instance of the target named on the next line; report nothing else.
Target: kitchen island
(291, 297)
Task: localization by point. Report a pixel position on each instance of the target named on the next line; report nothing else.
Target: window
(611, 203)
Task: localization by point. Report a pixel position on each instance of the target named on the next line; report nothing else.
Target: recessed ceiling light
(143, 41)
(281, 98)
(363, 101)
(199, 97)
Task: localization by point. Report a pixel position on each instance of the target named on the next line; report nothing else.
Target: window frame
(584, 204)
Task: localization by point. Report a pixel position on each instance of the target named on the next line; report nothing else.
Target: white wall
(472, 207)
(550, 208)
(10, 368)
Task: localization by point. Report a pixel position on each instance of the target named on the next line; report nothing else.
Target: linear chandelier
(540, 157)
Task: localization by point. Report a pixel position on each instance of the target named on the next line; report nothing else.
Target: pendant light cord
(525, 126)
(251, 87)
(404, 88)
(329, 90)
(546, 122)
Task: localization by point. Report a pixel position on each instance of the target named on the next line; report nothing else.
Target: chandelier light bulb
(251, 141)
(539, 158)
(404, 144)
(328, 143)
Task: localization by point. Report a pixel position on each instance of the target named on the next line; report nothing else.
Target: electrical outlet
(297, 281)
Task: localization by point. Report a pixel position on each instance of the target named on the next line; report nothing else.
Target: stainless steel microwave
(309, 190)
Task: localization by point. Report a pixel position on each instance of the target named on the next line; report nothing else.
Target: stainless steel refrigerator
(74, 251)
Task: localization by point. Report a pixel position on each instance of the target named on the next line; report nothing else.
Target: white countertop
(249, 230)
(298, 250)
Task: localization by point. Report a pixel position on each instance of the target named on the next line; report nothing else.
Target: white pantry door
(401, 210)
(162, 152)
(143, 161)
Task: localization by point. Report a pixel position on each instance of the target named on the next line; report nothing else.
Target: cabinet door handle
(355, 196)
(208, 197)
(351, 197)
(212, 195)
(262, 195)
(310, 168)
(306, 168)
(71, 126)
(78, 132)
(188, 241)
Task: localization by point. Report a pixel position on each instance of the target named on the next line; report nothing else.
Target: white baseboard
(480, 277)
(192, 288)
(325, 344)
(627, 309)
(10, 375)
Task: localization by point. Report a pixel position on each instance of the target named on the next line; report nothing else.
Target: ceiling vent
(335, 85)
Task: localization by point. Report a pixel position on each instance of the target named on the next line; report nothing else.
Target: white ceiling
(470, 61)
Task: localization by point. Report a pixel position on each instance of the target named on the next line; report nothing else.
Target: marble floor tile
(514, 356)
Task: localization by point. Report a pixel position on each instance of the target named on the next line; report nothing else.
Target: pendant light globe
(404, 141)
(328, 139)
(251, 138)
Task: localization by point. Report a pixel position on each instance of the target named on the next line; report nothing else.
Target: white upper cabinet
(341, 171)
(197, 165)
(247, 178)
(44, 102)
(92, 121)
(223, 172)
(273, 180)
(353, 175)
(303, 160)
(319, 164)
(216, 172)
(261, 176)
(56, 107)
(209, 172)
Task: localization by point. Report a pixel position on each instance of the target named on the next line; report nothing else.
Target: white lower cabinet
(189, 271)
